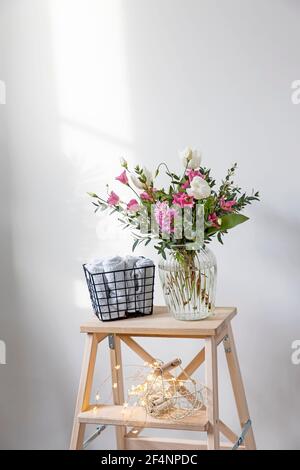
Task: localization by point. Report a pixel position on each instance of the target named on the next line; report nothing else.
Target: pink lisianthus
(133, 205)
(122, 177)
(183, 200)
(164, 216)
(192, 173)
(214, 220)
(226, 205)
(113, 199)
(146, 196)
(185, 185)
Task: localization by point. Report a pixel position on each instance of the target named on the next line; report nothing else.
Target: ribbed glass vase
(188, 279)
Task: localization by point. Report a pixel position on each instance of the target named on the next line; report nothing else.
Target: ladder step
(136, 416)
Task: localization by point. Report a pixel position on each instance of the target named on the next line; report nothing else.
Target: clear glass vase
(188, 279)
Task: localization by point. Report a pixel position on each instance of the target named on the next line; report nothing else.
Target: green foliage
(232, 220)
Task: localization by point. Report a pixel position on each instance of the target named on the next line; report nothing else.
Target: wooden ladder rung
(136, 416)
(162, 443)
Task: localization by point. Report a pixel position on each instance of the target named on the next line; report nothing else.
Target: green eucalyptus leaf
(211, 230)
(219, 237)
(135, 244)
(232, 220)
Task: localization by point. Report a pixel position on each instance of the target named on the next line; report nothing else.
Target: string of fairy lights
(159, 393)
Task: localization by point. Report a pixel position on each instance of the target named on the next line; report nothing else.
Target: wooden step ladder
(213, 331)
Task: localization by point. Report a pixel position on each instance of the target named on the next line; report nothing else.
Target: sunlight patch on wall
(92, 89)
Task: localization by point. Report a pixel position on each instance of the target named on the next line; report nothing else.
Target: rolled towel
(144, 276)
(132, 304)
(95, 267)
(112, 310)
(104, 300)
(115, 277)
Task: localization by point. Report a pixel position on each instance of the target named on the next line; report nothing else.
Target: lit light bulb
(117, 367)
(115, 385)
(97, 396)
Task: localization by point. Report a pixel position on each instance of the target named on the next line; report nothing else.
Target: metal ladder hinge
(111, 341)
(99, 430)
(226, 343)
(241, 439)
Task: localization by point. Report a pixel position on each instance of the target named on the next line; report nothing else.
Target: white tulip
(136, 182)
(191, 158)
(199, 189)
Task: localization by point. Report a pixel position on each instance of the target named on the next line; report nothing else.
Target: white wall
(89, 81)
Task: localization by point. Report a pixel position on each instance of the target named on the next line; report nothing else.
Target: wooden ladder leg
(84, 391)
(211, 373)
(238, 386)
(117, 384)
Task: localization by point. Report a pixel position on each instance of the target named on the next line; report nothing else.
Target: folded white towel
(144, 274)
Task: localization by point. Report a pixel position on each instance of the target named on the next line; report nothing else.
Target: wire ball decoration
(166, 397)
(155, 390)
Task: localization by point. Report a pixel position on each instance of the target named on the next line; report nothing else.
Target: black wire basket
(123, 293)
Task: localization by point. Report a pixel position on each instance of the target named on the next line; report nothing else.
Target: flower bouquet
(182, 219)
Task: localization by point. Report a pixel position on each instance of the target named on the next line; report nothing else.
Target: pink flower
(113, 199)
(226, 205)
(122, 177)
(183, 200)
(133, 205)
(214, 220)
(145, 196)
(192, 173)
(185, 185)
(164, 216)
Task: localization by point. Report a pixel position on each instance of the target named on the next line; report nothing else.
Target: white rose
(136, 182)
(199, 189)
(191, 158)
